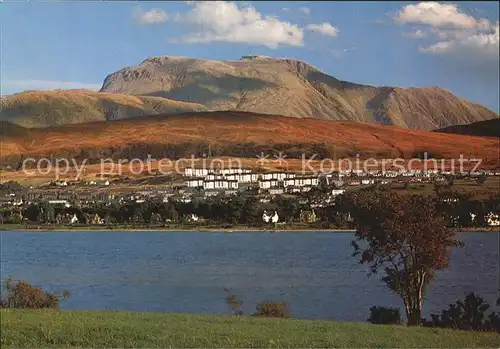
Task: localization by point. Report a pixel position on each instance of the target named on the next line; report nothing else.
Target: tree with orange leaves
(404, 236)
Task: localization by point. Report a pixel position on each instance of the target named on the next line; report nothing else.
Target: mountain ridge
(292, 88)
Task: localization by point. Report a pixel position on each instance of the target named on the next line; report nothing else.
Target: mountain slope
(238, 134)
(291, 88)
(51, 108)
(488, 128)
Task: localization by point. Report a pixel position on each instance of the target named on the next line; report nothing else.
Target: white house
(54, 202)
(492, 219)
(265, 217)
(194, 183)
(275, 218)
(472, 217)
(336, 192)
(268, 183)
(192, 218)
(74, 219)
(390, 174)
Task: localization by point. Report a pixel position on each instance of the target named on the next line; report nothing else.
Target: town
(313, 193)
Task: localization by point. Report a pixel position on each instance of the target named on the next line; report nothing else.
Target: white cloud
(305, 10)
(285, 9)
(453, 31)
(323, 28)
(465, 47)
(221, 21)
(437, 14)
(152, 16)
(14, 86)
(486, 44)
(417, 34)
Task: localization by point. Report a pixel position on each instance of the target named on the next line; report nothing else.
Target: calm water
(187, 271)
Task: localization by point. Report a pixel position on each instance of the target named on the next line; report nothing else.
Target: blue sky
(47, 45)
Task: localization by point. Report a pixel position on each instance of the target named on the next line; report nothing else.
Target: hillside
(238, 134)
(488, 128)
(51, 108)
(291, 88)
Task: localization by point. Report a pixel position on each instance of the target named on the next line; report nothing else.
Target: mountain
(487, 128)
(238, 134)
(51, 108)
(291, 88)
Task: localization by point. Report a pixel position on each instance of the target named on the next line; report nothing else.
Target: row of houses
(230, 179)
(203, 172)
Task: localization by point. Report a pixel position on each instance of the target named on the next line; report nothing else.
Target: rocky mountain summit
(292, 88)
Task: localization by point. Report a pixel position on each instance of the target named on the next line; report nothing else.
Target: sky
(76, 44)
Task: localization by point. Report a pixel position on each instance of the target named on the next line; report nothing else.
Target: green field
(98, 329)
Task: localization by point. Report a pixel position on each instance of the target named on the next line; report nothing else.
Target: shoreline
(209, 230)
(203, 230)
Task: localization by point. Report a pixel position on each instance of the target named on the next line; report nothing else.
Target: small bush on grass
(273, 309)
(21, 294)
(384, 316)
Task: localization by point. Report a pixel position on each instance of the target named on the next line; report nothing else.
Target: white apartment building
(220, 184)
(268, 183)
(227, 171)
(194, 183)
(277, 175)
(243, 177)
(301, 181)
(195, 172)
(213, 176)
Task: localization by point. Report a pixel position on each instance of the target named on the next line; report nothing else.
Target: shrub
(21, 294)
(384, 315)
(273, 309)
(233, 303)
(467, 314)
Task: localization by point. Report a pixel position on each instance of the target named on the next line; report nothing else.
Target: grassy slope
(230, 129)
(51, 108)
(130, 329)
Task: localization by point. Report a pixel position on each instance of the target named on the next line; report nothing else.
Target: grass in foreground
(51, 328)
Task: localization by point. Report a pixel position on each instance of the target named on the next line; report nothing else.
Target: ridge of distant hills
(262, 85)
(237, 134)
(52, 108)
(487, 128)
